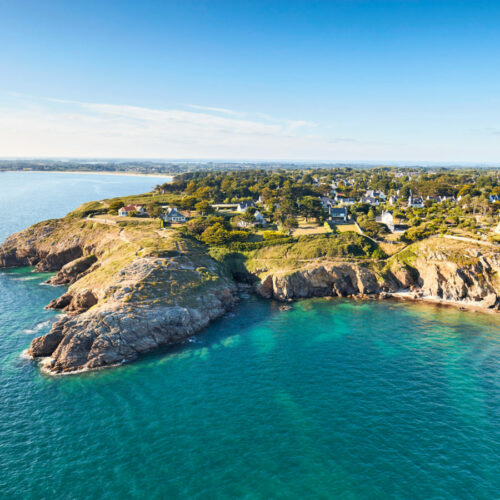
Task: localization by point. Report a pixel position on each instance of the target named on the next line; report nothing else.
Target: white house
(375, 194)
(327, 202)
(243, 205)
(258, 220)
(371, 200)
(173, 215)
(127, 210)
(415, 201)
(344, 200)
(387, 219)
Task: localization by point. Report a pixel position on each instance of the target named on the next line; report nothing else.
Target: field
(306, 228)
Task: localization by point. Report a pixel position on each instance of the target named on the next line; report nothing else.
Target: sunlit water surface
(332, 399)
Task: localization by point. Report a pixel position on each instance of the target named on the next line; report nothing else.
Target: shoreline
(44, 362)
(86, 172)
(463, 306)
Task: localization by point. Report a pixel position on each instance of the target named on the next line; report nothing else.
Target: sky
(347, 80)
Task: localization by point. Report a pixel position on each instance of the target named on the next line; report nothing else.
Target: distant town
(250, 208)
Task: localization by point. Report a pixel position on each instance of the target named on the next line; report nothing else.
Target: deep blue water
(332, 399)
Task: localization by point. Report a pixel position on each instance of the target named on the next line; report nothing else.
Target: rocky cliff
(436, 269)
(134, 287)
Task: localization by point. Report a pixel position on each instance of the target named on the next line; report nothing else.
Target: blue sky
(335, 81)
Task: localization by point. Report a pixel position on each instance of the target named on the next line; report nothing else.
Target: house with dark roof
(371, 200)
(173, 215)
(327, 202)
(258, 220)
(243, 205)
(338, 213)
(415, 201)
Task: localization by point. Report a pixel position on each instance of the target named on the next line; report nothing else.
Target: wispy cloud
(216, 110)
(58, 127)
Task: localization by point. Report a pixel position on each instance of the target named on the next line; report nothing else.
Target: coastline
(464, 306)
(44, 363)
(86, 172)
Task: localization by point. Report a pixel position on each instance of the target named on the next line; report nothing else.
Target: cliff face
(135, 288)
(132, 290)
(436, 269)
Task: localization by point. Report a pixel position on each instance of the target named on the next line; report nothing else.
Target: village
(391, 208)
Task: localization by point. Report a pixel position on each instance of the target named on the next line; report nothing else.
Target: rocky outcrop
(73, 271)
(321, 280)
(435, 271)
(45, 245)
(133, 290)
(75, 302)
(113, 334)
(129, 291)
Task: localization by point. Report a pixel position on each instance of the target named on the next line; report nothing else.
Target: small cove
(332, 398)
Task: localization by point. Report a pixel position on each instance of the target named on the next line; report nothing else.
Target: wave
(39, 326)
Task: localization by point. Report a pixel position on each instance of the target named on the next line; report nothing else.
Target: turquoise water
(332, 399)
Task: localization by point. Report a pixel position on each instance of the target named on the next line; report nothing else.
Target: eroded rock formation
(132, 290)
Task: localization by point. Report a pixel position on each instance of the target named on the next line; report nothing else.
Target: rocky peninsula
(134, 286)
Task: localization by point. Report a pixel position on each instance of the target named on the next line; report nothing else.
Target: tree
(153, 210)
(290, 223)
(310, 208)
(215, 235)
(203, 207)
(287, 209)
(114, 206)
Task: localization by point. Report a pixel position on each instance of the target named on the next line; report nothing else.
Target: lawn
(310, 227)
(343, 228)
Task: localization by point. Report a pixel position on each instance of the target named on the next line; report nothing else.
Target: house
(495, 198)
(415, 201)
(387, 219)
(337, 213)
(173, 215)
(127, 210)
(243, 205)
(447, 198)
(371, 200)
(375, 194)
(326, 202)
(393, 200)
(344, 200)
(258, 220)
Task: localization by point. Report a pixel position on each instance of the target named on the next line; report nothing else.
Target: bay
(331, 399)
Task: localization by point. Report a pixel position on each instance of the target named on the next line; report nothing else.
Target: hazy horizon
(383, 81)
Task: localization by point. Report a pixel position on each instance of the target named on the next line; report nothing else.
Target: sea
(330, 399)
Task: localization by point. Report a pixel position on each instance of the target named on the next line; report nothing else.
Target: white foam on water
(39, 326)
(25, 355)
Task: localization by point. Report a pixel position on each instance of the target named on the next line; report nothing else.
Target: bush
(378, 253)
(256, 245)
(218, 235)
(418, 232)
(348, 244)
(272, 235)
